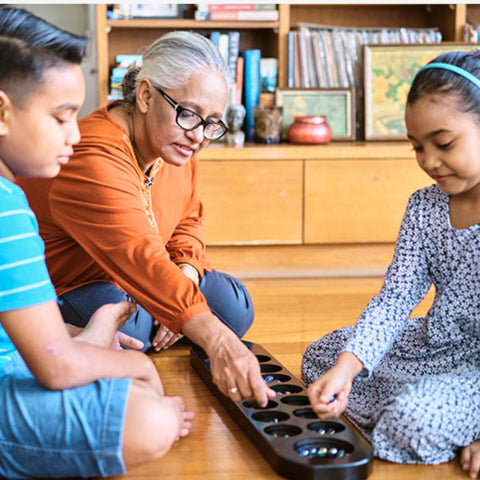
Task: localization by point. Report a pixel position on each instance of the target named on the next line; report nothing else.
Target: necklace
(150, 178)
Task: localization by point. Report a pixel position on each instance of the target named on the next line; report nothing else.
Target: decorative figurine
(235, 136)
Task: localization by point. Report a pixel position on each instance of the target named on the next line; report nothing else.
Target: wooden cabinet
(251, 201)
(286, 210)
(343, 193)
(359, 200)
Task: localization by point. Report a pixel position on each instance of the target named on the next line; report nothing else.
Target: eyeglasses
(190, 120)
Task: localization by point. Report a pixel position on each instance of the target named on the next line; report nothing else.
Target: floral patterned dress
(418, 398)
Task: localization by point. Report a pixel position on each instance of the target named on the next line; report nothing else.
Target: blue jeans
(226, 296)
(75, 432)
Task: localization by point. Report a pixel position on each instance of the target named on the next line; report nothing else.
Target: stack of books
(332, 56)
(253, 79)
(266, 12)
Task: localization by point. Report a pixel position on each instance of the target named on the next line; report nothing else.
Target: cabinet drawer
(252, 202)
(358, 201)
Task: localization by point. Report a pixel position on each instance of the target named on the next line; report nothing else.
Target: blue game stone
(304, 453)
(322, 452)
(321, 431)
(268, 379)
(341, 453)
(332, 431)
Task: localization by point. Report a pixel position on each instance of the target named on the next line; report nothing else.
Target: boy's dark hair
(444, 82)
(30, 45)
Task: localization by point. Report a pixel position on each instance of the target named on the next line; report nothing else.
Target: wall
(78, 19)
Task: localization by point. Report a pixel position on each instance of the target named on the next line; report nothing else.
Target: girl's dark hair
(445, 82)
(30, 45)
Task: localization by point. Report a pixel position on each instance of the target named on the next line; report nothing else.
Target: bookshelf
(130, 36)
(297, 209)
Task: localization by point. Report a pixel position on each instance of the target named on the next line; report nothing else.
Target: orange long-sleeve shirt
(100, 222)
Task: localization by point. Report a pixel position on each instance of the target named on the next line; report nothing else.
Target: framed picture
(389, 72)
(337, 104)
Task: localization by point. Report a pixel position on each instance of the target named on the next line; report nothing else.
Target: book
(213, 7)
(268, 75)
(251, 89)
(291, 60)
(233, 51)
(223, 46)
(215, 37)
(304, 60)
(244, 15)
(239, 78)
(296, 59)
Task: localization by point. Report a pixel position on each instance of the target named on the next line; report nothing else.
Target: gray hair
(170, 62)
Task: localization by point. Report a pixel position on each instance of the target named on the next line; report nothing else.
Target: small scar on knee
(52, 350)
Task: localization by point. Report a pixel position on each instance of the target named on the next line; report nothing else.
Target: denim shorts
(54, 434)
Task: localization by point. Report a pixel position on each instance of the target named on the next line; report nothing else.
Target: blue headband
(454, 69)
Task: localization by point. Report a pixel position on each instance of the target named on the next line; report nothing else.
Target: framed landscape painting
(336, 104)
(389, 72)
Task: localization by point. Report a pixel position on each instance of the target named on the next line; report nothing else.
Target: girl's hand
(328, 395)
(470, 459)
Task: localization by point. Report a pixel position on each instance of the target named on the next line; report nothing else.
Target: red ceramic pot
(313, 130)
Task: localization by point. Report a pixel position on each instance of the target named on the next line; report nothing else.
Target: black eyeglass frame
(179, 109)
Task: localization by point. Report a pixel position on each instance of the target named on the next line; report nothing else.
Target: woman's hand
(470, 459)
(235, 369)
(190, 272)
(164, 338)
(236, 372)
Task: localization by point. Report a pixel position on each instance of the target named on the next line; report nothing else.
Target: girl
(413, 385)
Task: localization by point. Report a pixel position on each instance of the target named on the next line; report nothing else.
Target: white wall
(78, 19)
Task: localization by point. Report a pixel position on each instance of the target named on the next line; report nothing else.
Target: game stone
(288, 433)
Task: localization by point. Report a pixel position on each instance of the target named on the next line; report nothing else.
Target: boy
(72, 405)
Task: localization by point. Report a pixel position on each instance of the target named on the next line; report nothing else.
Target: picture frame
(389, 70)
(337, 104)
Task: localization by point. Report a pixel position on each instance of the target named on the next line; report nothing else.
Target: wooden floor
(290, 313)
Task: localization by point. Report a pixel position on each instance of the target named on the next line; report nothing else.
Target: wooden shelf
(189, 24)
(333, 151)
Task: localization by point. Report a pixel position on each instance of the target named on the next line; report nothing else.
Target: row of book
(237, 12)
(251, 76)
(332, 57)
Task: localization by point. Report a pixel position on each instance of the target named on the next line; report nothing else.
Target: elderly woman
(123, 220)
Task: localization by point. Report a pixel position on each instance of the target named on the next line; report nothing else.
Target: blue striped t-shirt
(24, 279)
